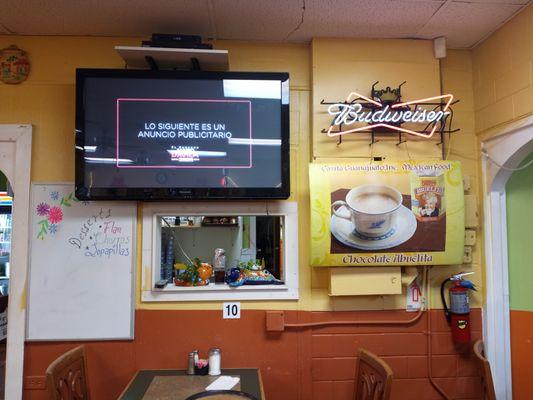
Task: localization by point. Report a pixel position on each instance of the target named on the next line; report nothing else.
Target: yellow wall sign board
(386, 213)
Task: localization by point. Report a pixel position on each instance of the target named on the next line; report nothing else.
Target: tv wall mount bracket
(195, 63)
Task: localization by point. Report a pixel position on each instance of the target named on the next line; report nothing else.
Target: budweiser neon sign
(386, 112)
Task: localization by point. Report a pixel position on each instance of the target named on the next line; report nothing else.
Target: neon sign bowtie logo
(359, 113)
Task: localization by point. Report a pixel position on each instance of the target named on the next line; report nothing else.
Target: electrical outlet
(470, 237)
(35, 382)
(467, 257)
(471, 211)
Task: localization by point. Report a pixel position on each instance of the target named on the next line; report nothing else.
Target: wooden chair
(486, 375)
(374, 377)
(66, 376)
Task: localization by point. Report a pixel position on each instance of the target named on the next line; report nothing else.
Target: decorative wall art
(14, 65)
(387, 213)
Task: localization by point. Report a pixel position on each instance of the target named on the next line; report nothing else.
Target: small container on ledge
(190, 364)
(201, 367)
(214, 361)
(219, 264)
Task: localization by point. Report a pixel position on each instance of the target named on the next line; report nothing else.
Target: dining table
(176, 384)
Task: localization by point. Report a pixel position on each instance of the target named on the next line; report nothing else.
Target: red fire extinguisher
(458, 315)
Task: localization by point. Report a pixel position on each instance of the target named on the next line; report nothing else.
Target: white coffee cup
(372, 209)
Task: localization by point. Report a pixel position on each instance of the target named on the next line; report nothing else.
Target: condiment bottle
(214, 361)
(190, 365)
(219, 264)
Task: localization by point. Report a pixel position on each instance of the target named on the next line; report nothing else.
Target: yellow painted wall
(503, 94)
(503, 73)
(342, 66)
(295, 59)
(502, 82)
(463, 146)
(46, 100)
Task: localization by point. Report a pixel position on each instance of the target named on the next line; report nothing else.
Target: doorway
(15, 163)
(502, 153)
(519, 198)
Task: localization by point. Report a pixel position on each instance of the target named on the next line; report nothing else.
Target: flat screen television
(171, 135)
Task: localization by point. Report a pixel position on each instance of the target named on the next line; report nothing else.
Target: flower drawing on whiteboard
(43, 209)
(67, 200)
(54, 195)
(52, 214)
(53, 229)
(55, 215)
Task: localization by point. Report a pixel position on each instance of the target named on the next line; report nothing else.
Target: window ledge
(219, 288)
(206, 293)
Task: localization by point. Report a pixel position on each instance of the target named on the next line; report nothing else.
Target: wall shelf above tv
(174, 58)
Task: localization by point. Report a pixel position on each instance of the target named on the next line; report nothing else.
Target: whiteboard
(81, 278)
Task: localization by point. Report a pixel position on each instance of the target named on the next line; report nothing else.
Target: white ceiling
(465, 23)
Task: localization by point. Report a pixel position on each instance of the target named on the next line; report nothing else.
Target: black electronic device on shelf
(176, 135)
(176, 40)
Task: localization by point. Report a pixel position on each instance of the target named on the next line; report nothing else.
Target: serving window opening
(202, 252)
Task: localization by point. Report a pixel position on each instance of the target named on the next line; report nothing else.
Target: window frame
(151, 250)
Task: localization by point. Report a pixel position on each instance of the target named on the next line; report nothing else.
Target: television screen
(162, 135)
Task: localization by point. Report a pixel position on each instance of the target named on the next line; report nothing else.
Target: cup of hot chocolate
(372, 209)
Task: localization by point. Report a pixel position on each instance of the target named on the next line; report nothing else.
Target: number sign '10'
(231, 310)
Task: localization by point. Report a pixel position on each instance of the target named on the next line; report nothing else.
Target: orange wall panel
(299, 364)
(522, 353)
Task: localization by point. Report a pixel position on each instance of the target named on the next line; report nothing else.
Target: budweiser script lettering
(352, 113)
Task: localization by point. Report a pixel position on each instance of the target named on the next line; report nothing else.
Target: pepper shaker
(190, 366)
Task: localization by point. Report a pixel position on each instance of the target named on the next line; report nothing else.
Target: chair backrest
(66, 377)
(486, 375)
(374, 377)
(222, 395)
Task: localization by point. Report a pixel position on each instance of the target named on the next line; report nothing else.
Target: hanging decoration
(14, 65)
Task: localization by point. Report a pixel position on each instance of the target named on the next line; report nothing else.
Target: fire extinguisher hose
(443, 298)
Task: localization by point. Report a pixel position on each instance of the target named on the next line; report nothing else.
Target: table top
(139, 385)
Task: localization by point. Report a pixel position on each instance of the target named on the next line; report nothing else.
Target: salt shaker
(214, 361)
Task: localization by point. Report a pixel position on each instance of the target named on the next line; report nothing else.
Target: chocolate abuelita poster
(387, 213)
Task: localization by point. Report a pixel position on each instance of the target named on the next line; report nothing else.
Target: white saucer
(405, 228)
